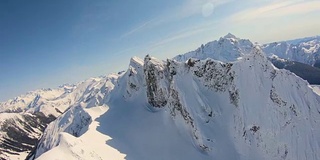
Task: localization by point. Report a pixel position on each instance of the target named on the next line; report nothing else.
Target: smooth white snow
(91, 145)
(206, 109)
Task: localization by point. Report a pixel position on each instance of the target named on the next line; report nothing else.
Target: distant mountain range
(300, 56)
(307, 72)
(305, 50)
(225, 100)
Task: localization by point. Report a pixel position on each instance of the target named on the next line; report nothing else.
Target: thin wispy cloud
(188, 9)
(185, 33)
(277, 9)
(138, 28)
(178, 36)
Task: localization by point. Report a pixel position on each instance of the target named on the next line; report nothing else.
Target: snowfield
(198, 109)
(224, 100)
(91, 145)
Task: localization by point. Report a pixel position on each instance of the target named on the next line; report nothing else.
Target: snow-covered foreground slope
(90, 145)
(197, 109)
(24, 118)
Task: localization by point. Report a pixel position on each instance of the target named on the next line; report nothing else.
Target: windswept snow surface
(198, 109)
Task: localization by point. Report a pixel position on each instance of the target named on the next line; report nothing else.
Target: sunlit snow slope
(24, 118)
(194, 109)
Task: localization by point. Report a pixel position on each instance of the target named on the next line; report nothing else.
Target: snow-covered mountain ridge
(235, 106)
(238, 110)
(227, 49)
(24, 118)
(307, 72)
(305, 50)
(230, 47)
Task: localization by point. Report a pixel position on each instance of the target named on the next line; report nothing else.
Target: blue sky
(48, 43)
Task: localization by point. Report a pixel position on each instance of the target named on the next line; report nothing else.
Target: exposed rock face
(226, 110)
(244, 109)
(21, 132)
(24, 118)
(232, 80)
(75, 122)
(156, 81)
(135, 77)
(163, 89)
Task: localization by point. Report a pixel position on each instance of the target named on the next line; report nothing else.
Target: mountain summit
(198, 109)
(225, 100)
(227, 49)
(229, 35)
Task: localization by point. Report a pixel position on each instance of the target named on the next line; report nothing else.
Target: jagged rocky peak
(164, 80)
(136, 62)
(224, 100)
(234, 40)
(258, 53)
(135, 66)
(157, 84)
(227, 49)
(230, 35)
(216, 75)
(135, 79)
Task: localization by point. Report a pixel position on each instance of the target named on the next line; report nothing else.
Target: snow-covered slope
(33, 99)
(316, 89)
(224, 100)
(230, 47)
(305, 50)
(19, 132)
(227, 49)
(305, 71)
(195, 109)
(24, 118)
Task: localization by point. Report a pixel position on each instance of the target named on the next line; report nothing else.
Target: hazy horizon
(47, 44)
